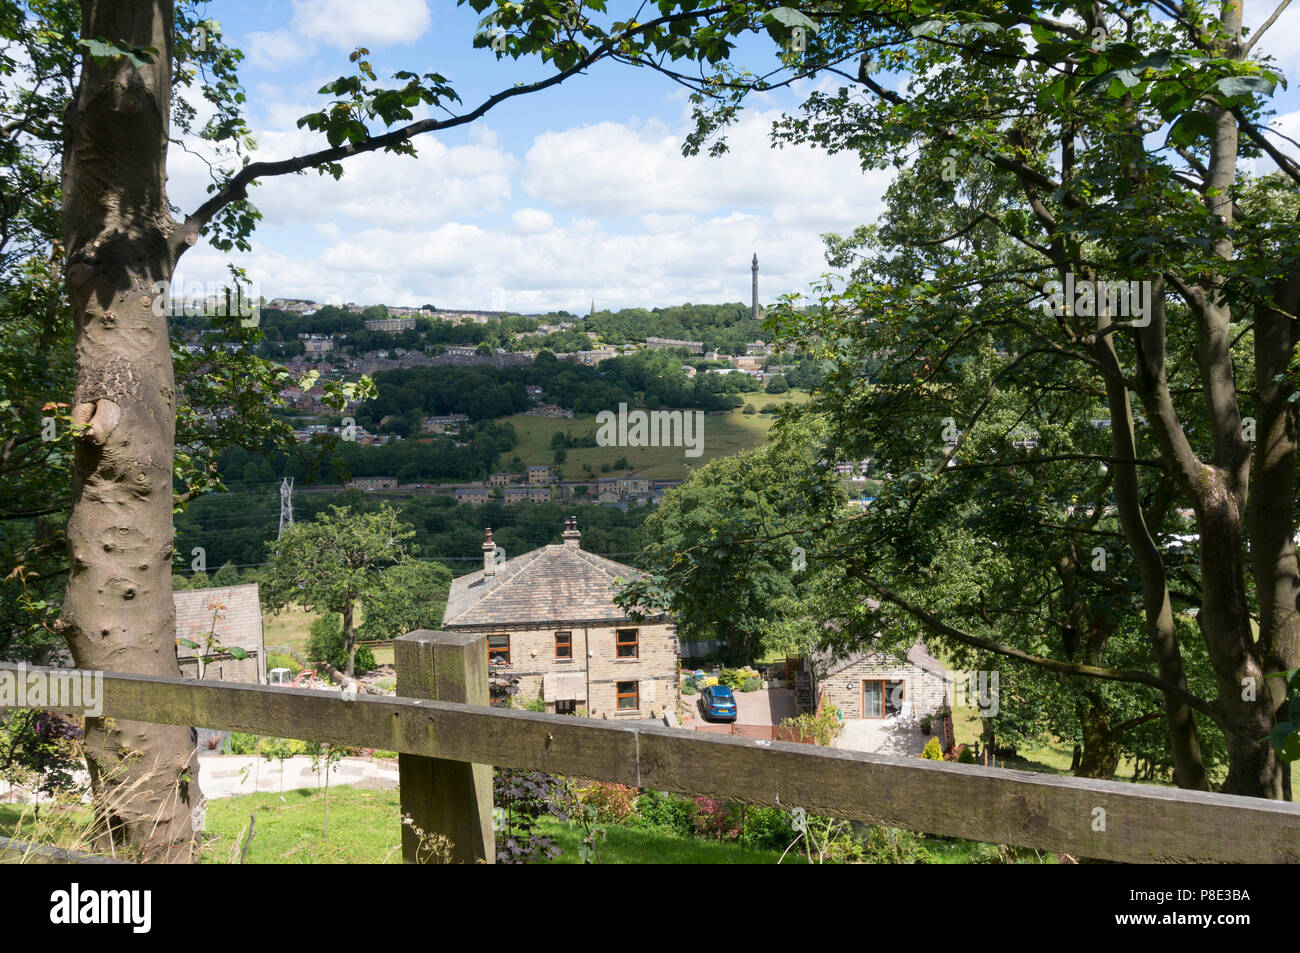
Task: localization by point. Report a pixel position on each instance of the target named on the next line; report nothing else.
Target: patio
(881, 736)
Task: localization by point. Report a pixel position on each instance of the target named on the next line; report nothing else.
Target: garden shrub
(967, 756)
(279, 748)
(716, 819)
(614, 803)
(689, 688)
(326, 645)
(889, 845)
(279, 660)
(751, 685)
(767, 828)
(241, 743)
(520, 798)
(823, 728)
(662, 811)
(733, 678)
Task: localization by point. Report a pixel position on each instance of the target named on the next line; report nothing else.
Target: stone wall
(924, 689)
(594, 655)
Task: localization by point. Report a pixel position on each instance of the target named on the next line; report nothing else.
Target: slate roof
(553, 584)
(916, 655)
(240, 625)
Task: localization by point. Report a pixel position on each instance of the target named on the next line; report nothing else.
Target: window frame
(495, 653)
(619, 644)
(634, 694)
(568, 645)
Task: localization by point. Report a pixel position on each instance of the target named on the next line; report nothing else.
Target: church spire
(754, 311)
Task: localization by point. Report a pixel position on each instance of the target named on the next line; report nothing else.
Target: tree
(333, 562)
(120, 246)
(1107, 146)
(410, 595)
(777, 385)
(705, 561)
(227, 575)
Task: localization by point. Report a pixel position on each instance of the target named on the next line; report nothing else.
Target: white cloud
(532, 221)
(442, 183)
(347, 24)
(609, 211)
(611, 169)
(274, 50)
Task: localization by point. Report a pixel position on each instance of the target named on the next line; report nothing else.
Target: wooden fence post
(449, 798)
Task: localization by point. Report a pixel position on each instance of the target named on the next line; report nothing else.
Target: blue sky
(553, 199)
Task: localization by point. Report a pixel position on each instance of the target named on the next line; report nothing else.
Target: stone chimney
(571, 535)
(489, 554)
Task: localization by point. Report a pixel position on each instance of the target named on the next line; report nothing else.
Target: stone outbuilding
(237, 613)
(879, 684)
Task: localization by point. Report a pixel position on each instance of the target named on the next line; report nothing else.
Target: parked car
(719, 703)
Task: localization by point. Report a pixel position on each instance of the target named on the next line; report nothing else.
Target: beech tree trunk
(120, 238)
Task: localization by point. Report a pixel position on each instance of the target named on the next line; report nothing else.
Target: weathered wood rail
(446, 746)
(21, 852)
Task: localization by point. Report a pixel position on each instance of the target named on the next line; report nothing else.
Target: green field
(291, 629)
(724, 434)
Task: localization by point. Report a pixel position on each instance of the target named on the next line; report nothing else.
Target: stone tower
(754, 312)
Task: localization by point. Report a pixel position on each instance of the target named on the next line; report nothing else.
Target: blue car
(719, 703)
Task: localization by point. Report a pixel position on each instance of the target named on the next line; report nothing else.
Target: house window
(566, 707)
(626, 643)
(498, 650)
(564, 646)
(628, 700)
(881, 698)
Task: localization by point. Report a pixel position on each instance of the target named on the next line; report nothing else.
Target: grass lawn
(291, 629)
(364, 828)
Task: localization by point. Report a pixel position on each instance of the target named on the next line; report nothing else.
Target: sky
(552, 201)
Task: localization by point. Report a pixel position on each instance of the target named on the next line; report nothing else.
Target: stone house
(372, 482)
(473, 494)
(539, 473)
(555, 633)
(238, 614)
(876, 684)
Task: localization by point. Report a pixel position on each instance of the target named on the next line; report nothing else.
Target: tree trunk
(118, 613)
(1099, 757)
(1189, 768)
(350, 641)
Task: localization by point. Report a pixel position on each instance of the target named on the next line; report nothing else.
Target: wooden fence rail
(1101, 819)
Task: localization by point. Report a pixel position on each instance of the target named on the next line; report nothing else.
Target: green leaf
(1286, 739)
(1191, 126)
(237, 653)
(1245, 85)
(188, 643)
(788, 17)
